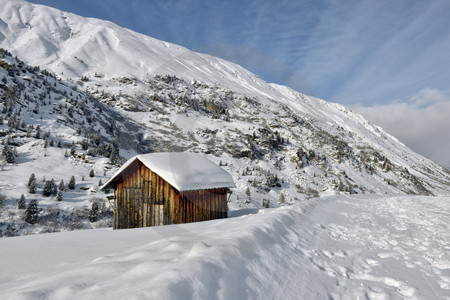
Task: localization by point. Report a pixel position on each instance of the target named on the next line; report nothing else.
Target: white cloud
(423, 123)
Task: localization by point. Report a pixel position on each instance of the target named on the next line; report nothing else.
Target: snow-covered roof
(183, 170)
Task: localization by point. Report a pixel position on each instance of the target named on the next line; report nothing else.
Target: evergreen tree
(31, 213)
(72, 183)
(54, 187)
(62, 186)
(85, 144)
(91, 173)
(38, 132)
(93, 212)
(32, 184)
(73, 149)
(48, 189)
(59, 196)
(31, 179)
(22, 203)
(9, 154)
(114, 156)
(100, 183)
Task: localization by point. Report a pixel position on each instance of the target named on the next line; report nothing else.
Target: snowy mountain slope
(277, 143)
(53, 130)
(340, 247)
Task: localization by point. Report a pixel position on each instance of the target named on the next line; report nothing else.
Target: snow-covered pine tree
(9, 154)
(73, 149)
(38, 132)
(22, 203)
(114, 156)
(59, 196)
(31, 180)
(62, 186)
(93, 212)
(91, 173)
(31, 213)
(72, 183)
(54, 187)
(48, 189)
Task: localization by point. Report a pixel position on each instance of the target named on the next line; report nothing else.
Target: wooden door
(158, 214)
(132, 209)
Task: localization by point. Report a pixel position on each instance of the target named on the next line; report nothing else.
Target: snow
(337, 247)
(183, 170)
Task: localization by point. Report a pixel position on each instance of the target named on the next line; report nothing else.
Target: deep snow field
(336, 247)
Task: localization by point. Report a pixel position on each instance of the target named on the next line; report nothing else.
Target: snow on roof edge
(185, 171)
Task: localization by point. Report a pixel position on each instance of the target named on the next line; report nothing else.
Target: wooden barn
(168, 188)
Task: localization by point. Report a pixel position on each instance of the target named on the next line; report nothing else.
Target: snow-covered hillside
(340, 247)
(102, 83)
(54, 131)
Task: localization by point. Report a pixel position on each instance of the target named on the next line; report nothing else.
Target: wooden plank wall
(141, 195)
(202, 205)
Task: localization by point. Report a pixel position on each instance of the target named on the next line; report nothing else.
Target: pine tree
(32, 184)
(72, 183)
(62, 186)
(59, 196)
(22, 203)
(91, 173)
(9, 154)
(38, 132)
(54, 187)
(48, 189)
(31, 213)
(93, 212)
(73, 149)
(100, 183)
(31, 179)
(114, 152)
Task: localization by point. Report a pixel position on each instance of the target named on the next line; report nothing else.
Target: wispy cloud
(374, 51)
(422, 123)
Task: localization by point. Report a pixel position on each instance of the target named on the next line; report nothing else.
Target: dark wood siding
(145, 199)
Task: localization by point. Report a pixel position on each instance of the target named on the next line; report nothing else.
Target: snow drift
(338, 247)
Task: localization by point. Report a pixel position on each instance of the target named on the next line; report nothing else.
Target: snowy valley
(321, 194)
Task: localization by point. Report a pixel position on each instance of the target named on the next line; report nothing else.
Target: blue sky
(370, 55)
